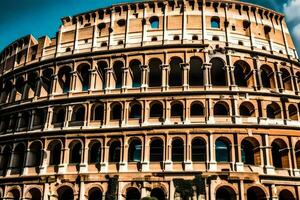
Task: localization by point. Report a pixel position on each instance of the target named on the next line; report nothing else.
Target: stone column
(93, 78)
(74, 81)
(207, 72)
(146, 154)
(145, 77)
(54, 85)
(124, 156)
(269, 169)
(125, 79)
(165, 76)
(49, 118)
(185, 75)
(109, 80)
(212, 165)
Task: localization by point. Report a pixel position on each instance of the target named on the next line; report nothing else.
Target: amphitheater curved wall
(153, 92)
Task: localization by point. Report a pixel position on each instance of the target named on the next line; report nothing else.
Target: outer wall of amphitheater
(168, 99)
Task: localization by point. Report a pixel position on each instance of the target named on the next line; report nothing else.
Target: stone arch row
(222, 191)
(18, 157)
(257, 192)
(122, 73)
(107, 112)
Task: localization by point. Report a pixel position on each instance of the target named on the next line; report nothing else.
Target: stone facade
(150, 93)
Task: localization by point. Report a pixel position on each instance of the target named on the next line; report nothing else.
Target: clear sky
(42, 17)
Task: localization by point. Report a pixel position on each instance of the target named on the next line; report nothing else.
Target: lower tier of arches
(171, 186)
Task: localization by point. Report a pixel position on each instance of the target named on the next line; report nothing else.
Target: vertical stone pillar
(95, 31)
(146, 154)
(93, 80)
(68, 116)
(49, 118)
(74, 81)
(212, 166)
(145, 77)
(207, 72)
(31, 119)
(54, 85)
(185, 75)
(46, 192)
(125, 79)
(105, 154)
(24, 169)
(45, 160)
(75, 48)
(269, 169)
(165, 12)
(109, 80)
(165, 76)
(124, 156)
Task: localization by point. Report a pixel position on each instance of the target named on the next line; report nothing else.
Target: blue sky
(42, 17)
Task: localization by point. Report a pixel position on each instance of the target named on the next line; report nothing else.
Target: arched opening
(116, 111)
(135, 66)
(177, 150)
(133, 194)
(55, 149)
(18, 158)
(95, 194)
(256, 193)
(7, 92)
(297, 152)
(75, 152)
(35, 154)
(221, 109)
(84, 76)
(24, 120)
(65, 193)
(115, 151)
(94, 152)
(155, 76)
(196, 72)
(135, 151)
(78, 115)
(35, 194)
(20, 83)
(273, 111)
(218, 73)
(5, 159)
(247, 110)
(225, 193)
(156, 150)
(31, 88)
(175, 75)
(222, 150)
(154, 22)
(286, 79)
(135, 111)
(59, 115)
(267, 78)
(117, 67)
(64, 78)
(39, 117)
(286, 195)
(177, 110)
(46, 81)
(156, 110)
(98, 112)
(102, 66)
(196, 109)
(280, 154)
(293, 112)
(242, 73)
(215, 22)
(14, 194)
(198, 150)
(250, 151)
(158, 193)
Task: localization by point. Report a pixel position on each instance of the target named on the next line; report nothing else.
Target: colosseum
(184, 99)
